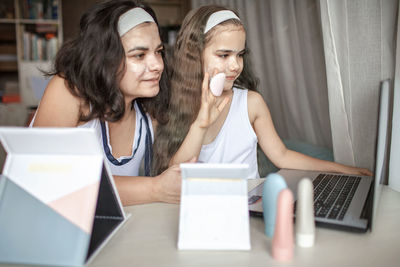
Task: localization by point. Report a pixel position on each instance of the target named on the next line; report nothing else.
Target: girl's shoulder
(254, 97)
(256, 105)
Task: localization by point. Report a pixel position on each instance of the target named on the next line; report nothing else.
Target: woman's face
(144, 63)
(224, 53)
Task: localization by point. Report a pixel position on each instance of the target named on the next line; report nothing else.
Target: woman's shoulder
(59, 106)
(58, 87)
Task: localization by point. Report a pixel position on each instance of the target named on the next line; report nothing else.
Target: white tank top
(236, 142)
(125, 165)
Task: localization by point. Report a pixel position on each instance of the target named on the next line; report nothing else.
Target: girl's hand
(209, 109)
(358, 171)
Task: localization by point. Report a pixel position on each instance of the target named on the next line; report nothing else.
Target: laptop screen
(381, 146)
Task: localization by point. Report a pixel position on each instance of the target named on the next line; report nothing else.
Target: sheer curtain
(285, 41)
(359, 39)
(394, 167)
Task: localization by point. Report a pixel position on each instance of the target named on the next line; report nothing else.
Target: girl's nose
(234, 64)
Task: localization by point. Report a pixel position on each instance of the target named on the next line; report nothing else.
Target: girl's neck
(225, 93)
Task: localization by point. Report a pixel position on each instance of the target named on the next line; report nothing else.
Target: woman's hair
(91, 64)
(186, 82)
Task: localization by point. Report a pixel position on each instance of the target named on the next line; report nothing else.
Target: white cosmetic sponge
(217, 84)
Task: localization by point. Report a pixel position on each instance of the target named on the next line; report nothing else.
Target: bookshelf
(31, 33)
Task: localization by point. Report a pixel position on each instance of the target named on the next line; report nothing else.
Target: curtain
(359, 38)
(394, 167)
(286, 47)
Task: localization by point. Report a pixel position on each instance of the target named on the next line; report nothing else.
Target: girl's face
(144, 63)
(224, 53)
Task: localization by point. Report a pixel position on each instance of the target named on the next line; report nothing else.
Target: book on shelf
(39, 9)
(6, 10)
(10, 93)
(39, 46)
(10, 98)
(8, 56)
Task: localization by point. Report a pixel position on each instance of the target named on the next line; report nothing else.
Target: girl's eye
(223, 55)
(160, 52)
(242, 53)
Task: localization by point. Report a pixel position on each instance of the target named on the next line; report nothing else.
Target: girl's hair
(186, 82)
(91, 64)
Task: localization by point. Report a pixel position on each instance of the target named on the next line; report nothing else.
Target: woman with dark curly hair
(112, 78)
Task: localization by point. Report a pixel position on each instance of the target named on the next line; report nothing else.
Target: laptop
(342, 201)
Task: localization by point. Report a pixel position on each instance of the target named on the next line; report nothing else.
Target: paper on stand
(214, 211)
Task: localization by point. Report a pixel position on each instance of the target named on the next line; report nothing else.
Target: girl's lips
(156, 79)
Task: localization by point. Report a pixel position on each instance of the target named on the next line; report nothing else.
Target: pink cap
(283, 241)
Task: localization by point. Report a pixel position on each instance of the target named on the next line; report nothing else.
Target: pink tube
(283, 241)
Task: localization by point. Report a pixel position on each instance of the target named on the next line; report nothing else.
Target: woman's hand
(167, 186)
(210, 109)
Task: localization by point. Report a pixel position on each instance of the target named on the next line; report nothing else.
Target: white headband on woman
(219, 17)
(132, 18)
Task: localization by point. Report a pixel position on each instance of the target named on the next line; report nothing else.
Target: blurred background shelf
(31, 34)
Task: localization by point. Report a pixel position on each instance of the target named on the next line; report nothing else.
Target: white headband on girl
(219, 17)
(132, 18)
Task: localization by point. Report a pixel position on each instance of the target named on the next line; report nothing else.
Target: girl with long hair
(225, 128)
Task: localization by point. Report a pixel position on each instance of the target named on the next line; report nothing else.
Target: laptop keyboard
(333, 195)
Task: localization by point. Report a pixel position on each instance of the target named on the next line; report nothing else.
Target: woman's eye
(139, 56)
(160, 52)
(223, 55)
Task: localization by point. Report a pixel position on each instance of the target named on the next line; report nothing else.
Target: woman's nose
(155, 63)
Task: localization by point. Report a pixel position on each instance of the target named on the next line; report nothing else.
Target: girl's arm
(277, 152)
(208, 113)
(58, 107)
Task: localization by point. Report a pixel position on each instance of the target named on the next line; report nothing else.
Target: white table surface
(149, 238)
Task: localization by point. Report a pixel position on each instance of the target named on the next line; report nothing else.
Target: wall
(169, 12)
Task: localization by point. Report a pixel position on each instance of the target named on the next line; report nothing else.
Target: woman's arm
(165, 187)
(58, 107)
(208, 113)
(277, 152)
